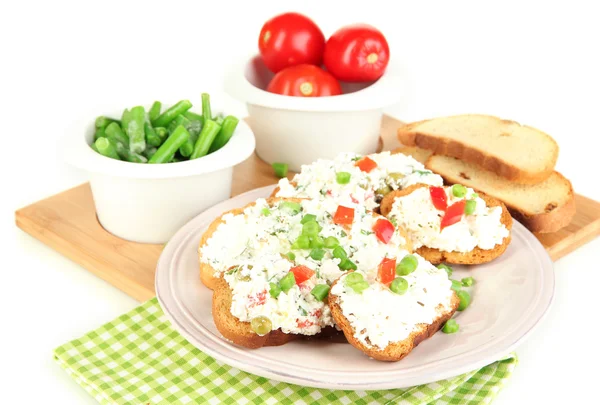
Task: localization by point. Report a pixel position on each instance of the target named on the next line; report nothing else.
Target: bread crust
(398, 350)
(475, 256)
(410, 136)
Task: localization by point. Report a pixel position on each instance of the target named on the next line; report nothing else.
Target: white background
(536, 63)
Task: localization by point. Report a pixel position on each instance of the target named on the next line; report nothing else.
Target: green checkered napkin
(140, 359)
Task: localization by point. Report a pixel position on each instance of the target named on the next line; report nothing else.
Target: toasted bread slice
(398, 350)
(544, 207)
(419, 154)
(233, 329)
(475, 256)
(517, 152)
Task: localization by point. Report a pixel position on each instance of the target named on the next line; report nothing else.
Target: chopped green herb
(365, 232)
(266, 212)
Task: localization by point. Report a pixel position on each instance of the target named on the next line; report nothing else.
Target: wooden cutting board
(67, 223)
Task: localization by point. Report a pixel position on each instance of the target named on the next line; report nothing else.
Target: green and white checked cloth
(140, 359)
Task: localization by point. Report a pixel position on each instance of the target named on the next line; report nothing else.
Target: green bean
(135, 129)
(116, 134)
(167, 150)
(165, 118)
(149, 152)
(205, 139)
(126, 154)
(229, 124)
(219, 119)
(192, 116)
(152, 137)
(103, 122)
(106, 148)
(94, 148)
(162, 133)
(206, 113)
(179, 120)
(175, 160)
(193, 128)
(154, 111)
(100, 133)
(125, 118)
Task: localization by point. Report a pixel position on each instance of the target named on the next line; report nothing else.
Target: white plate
(510, 297)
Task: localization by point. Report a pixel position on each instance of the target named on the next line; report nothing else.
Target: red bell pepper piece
(384, 230)
(387, 270)
(438, 198)
(366, 164)
(343, 216)
(302, 273)
(453, 214)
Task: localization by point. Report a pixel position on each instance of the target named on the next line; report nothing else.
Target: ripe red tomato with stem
(304, 81)
(357, 53)
(290, 39)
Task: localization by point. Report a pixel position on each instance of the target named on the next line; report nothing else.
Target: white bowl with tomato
(311, 98)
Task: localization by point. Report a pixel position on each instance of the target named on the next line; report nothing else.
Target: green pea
(308, 218)
(399, 285)
(261, 325)
(360, 286)
(450, 326)
(458, 190)
(445, 267)
(465, 300)
(331, 242)
(303, 242)
(275, 290)
(407, 265)
(468, 281)
(339, 253)
(342, 177)
(354, 277)
(291, 256)
(470, 207)
(317, 254)
(456, 285)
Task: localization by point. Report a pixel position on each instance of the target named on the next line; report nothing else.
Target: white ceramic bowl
(149, 203)
(298, 130)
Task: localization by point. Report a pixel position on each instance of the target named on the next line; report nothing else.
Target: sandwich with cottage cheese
(271, 264)
(451, 224)
(386, 315)
(352, 179)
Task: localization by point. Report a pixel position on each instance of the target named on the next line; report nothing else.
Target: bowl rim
(76, 151)
(388, 90)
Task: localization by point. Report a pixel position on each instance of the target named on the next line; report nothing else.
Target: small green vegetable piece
(275, 290)
(149, 152)
(320, 291)
(396, 176)
(310, 228)
(458, 190)
(465, 300)
(317, 254)
(100, 133)
(162, 133)
(206, 113)
(266, 212)
(227, 129)
(342, 177)
(114, 132)
(290, 207)
(152, 137)
(354, 277)
(291, 256)
(135, 130)
(399, 285)
(192, 116)
(106, 148)
(287, 282)
(407, 265)
(316, 241)
(445, 267)
(103, 122)
(360, 286)
(169, 115)
(307, 218)
(331, 242)
(303, 242)
(261, 325)
(456, 285)
(347, 264)
(205, 139)
(474, 196)
(179, 120)
(154, 111)
(468, 281)
(450, 326)
(339, 253)
(126, 154)
(383, 190)
(470, 207)
(167, 150)
(281, 169)
(125, 118)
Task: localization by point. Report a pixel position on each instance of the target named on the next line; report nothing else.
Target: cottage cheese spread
(248, 249)
(416, 213)
(380, 317)
(318, 180)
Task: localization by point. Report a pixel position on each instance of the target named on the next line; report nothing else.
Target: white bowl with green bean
(154, 167)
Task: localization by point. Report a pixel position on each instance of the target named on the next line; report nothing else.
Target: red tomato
(387, 270)
(383, 230)
(366, 164)
(343, 215)
(302, 273)
(357, 53)
(438, 198)
(290, 39)
(453, 214)
(304, 81)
